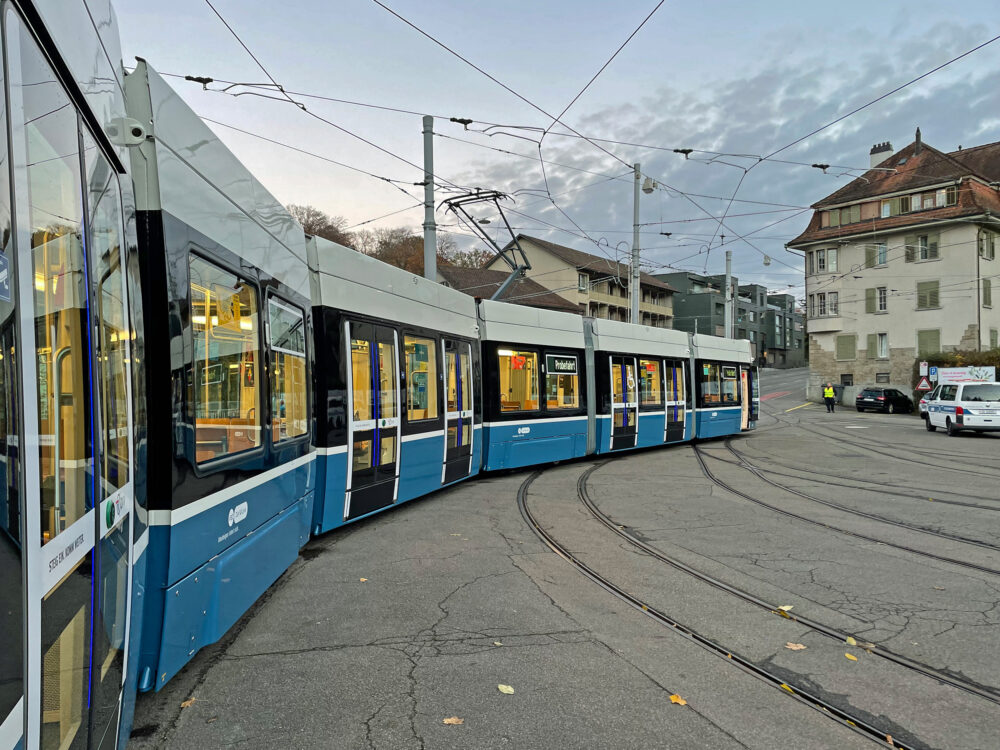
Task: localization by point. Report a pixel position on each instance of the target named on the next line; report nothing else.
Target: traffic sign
(923, 385)
(923, 368)
(933, 374)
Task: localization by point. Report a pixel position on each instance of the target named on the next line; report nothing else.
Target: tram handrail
(57, 449)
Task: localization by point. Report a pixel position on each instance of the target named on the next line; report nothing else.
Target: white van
(965, 406)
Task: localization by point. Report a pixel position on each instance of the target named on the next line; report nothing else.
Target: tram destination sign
(562, 365)
(729, 373)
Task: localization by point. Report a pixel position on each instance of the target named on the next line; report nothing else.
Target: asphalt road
(861, 525)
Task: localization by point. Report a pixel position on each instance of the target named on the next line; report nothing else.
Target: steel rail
(980, 691)
(802, 695)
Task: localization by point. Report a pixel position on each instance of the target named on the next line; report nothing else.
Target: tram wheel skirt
(201, 607)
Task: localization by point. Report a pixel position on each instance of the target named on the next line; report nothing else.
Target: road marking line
(807, 403)
(778, 394)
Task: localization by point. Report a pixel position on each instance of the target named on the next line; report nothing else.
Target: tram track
(926, 670)
(700, 455)
(797, 692)
(744, 464)
(872, 448)
(892, 488)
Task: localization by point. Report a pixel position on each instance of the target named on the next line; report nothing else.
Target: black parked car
(888, 400)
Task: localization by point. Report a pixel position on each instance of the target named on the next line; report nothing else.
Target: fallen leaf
(188, 703)
(505, 689)
(453, 720)
(850, 722)
(888, 738)
(497, 643)
(784, 609)
(930, 499)
(785, 687)
(456, 535)
(678, 700)
(794, 646)
(939, 588)
(212, 719)
(851, 641)
(363, 580)
(852, 657)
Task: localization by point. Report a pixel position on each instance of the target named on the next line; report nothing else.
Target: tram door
(373, 446)
(624, 403)
(458, 432)
(74, 449)
(676, 403)
(744, 398)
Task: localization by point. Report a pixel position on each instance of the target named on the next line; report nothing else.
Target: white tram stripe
(174, 517)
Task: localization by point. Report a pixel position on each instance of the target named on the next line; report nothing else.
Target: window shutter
(933, 299)
(847, 346)
(869, 256)
(894, 206)
(987, 293)
(855, 214)
(932, 245)
(870, 300)
(928, 342)
(872, 346)
(911, 243)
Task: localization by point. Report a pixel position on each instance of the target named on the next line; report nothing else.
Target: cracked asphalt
(461, 596)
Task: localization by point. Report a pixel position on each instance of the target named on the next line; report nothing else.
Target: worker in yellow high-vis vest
(828, 396)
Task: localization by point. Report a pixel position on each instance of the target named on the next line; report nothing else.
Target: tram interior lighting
(505, 352)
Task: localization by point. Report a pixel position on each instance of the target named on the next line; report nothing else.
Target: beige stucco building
(901, 263)
(597, 285)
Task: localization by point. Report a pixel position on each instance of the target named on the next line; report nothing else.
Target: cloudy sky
(724, 76)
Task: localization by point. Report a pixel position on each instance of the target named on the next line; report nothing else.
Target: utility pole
(634, 282)
(430, 228)
(728, 315)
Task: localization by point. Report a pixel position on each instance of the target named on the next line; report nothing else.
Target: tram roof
(503, 321)
(616, 336)
(198, 180)
(346, 279)
(714, 347)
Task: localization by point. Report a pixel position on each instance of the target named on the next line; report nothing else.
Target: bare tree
(320, 224)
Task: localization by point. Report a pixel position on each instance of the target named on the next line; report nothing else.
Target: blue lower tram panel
(203, 605)
(516, 444)
(718, 422)
(421, 461)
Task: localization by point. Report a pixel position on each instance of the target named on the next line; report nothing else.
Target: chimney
(879, 153)
(916, 148)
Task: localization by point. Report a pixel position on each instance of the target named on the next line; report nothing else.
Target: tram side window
(421, 378)
(711, 384)
(730, 385)
(562, 382)
(518, 380)
(289, 405)
(223, 387)
(650, 392)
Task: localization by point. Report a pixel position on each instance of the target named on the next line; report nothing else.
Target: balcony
(827, 324)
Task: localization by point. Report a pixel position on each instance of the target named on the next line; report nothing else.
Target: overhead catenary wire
(312, 114)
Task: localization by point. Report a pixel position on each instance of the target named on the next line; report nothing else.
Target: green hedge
(955, 359)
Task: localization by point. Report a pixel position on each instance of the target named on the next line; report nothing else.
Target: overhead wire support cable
(303, 107)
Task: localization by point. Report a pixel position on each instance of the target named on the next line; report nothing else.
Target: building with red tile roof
(901, 263)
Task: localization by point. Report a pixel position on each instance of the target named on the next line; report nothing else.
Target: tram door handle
(57, 436)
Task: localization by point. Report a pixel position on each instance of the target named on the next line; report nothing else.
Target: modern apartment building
(901, 263)
(597, 285)
(770, 322)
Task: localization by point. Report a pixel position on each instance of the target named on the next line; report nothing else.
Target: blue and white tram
(642, 385)
(398, 385)
(726, 386)
(71, 363)
(535, 391)
(231, 470)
